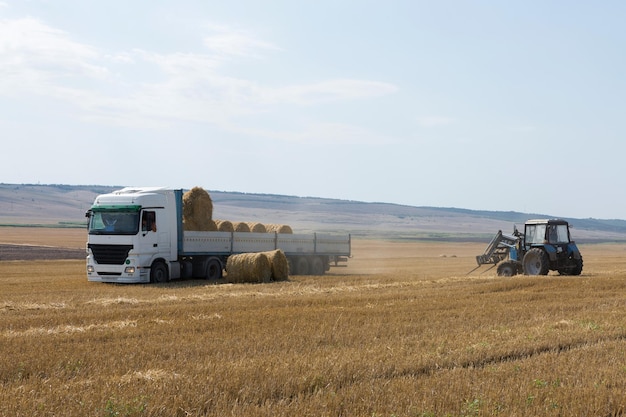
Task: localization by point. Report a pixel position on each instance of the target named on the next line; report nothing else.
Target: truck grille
(110, 254)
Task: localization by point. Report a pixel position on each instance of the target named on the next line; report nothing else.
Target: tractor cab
(542, 232)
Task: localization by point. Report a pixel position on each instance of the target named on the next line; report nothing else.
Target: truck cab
(130, 232)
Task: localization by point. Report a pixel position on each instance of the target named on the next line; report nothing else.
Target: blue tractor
(545, 245)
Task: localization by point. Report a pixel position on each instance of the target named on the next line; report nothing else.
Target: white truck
(136, 235)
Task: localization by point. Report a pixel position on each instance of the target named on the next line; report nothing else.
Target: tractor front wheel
(507, 269)
(536, 262)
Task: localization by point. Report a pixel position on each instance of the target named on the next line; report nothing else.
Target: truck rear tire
(317, 266)
(159, 273)
(301, 266)
(536, 262)
(213, 269)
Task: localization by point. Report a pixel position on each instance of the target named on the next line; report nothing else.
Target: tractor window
(535, 233)
(557, 233)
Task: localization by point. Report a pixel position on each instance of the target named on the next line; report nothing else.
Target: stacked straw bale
(241, 227)
(224, 226)
(278, 228)
(257, 227)
(279, 265)
(248, 267)
(198, 210)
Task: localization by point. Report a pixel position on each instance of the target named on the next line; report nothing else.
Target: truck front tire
(159, 273)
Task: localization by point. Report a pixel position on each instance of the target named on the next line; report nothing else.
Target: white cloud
(36, 57)
(179, 63)
(143, 88)
(227, 41)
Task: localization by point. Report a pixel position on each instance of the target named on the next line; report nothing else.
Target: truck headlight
(130, 270)
(90, 269)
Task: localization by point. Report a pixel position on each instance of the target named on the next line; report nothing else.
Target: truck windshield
(114, 222)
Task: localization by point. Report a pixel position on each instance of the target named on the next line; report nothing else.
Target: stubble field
(402, 331)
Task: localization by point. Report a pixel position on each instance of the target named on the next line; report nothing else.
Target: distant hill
(65, 205)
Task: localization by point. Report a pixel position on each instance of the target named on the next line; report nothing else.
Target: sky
(482, 105)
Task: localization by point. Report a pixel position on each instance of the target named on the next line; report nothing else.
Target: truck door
(149, 230)
(155, 235)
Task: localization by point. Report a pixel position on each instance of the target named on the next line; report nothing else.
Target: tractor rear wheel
(536, 262)
(575, 269)
(507, 269)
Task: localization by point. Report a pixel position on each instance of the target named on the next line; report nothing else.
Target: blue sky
(472, 104)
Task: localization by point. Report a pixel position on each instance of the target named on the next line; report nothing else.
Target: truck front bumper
(127, 273)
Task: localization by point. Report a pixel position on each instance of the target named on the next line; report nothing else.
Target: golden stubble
(402, 330)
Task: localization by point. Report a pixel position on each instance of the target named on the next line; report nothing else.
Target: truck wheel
(317, 266)
(213, 269)
(536, 262)
(159, 273)
(302, 266)
(507, 269)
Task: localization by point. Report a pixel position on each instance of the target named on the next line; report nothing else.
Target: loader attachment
(498, 249)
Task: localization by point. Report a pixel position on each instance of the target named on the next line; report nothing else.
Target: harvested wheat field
(401, 331)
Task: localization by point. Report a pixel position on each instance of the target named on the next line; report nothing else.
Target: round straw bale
(278, 228)
(241, 227)
(256, 227)
(224, 226)
(197, 209)
(189, 224)
(248, 267)
(193, 225)
(279, 263)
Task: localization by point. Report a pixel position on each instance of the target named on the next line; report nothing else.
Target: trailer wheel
(159, 272)
(536, 262)
(301, 266)
(213, 269)
(317, 266)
